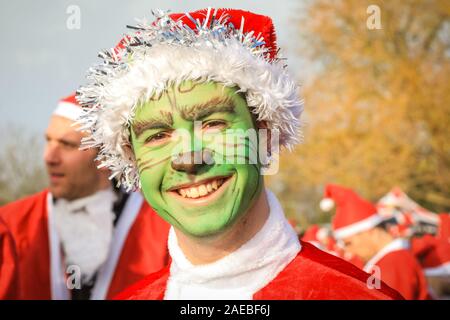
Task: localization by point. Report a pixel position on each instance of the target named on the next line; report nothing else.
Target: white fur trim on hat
(68, 110)
(357, 227)
(166, 53)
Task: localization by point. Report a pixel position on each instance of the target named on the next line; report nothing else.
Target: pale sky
(42, 60)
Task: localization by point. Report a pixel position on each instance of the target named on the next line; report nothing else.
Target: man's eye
(157, 139)
(214, 125)
(69, 145)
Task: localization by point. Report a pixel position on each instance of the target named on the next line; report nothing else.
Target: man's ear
(128, 151)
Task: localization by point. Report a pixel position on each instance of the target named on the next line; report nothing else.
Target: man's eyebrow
(203, 110)
(63, 140)
(163, 121)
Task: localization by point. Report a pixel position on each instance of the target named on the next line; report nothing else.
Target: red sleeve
(8, 265)
(401, 271)
(151, 287)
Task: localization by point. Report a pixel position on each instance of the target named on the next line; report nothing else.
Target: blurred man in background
(82, 238)
(364, 233)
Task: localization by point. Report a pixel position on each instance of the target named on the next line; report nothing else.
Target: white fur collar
(85, 227)
(242, 273)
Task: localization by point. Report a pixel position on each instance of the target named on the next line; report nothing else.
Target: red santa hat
(231, 47)
(353, 213)
(396, 203)
(69, 108)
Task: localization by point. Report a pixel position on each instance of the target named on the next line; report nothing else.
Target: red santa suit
(271, 265)
(433, 254)
(8, 264)
(138, 248)
(400, 270)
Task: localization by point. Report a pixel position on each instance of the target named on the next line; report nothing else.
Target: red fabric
(70, 99)
(421, 246)
(151, 287)
(27, 222)
(313, 275)
(257, 23)
(311, 233)
(444, 226)
(350, 207)
(353, 259)
(434, 251)
(431, 251)
(402, 272)
(144, 251)
(9, 273)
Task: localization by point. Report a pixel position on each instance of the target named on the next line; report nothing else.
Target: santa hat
(69, 108)
(397, 200)
(231, 47)
(353, 213)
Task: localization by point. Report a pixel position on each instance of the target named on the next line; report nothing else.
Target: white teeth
(194, 192)
(201, 190)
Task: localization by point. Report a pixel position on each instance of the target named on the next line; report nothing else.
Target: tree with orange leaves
(377, 104)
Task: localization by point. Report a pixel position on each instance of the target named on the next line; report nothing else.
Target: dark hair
(386, 224)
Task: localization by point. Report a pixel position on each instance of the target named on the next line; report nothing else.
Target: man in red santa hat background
(81, 238)
(365, 233)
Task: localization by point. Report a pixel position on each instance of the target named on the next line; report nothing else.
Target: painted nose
(192, 162)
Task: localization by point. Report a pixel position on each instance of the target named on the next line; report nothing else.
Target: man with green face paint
(188, 109)
(201, 199)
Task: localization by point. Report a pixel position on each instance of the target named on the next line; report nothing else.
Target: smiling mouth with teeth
(202, 189)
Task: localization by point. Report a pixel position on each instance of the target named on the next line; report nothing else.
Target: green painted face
(198, 197)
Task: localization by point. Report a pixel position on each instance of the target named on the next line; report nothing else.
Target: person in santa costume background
(365, 233)
(434, 256)
(188, 109)
(82, 238)
(428, 233)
